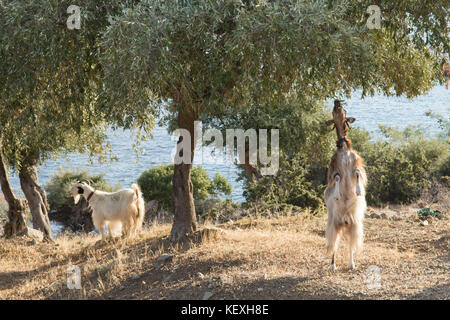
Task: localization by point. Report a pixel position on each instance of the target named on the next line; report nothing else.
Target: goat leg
(358, 188)
(337, 178)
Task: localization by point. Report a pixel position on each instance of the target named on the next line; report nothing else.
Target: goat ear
(351, 120)
(80, 190)
(329, 122)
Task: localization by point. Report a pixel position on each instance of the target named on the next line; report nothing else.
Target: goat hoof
(351, 266)
(332, 267)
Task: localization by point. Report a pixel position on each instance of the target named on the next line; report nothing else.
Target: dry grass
(253, 258)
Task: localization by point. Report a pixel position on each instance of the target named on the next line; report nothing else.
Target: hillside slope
(254, 258)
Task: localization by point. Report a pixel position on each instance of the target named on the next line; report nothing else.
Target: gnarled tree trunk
(16, 207)
(37, 199)
(185, 220)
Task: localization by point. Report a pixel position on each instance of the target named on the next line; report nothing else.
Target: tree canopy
(205, 58)
(50, 79)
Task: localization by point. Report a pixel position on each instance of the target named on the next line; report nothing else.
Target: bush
(156, 184)
(402, 167)
(217, 210)
(59, 186)
(294, 184)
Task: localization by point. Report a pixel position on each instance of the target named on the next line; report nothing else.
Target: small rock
(388, 214)
(121, 287)
(200, 275)
(424, 223)
(375, 215)
(135, 276)
(34, 234)
(163, 259)
(260, 289)
(207, 295)
(167, 278)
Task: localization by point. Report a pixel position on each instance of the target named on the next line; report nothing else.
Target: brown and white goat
(345, 193)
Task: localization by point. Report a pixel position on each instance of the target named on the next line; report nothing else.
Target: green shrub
(156, 184)
(217, 210)
(402, 167)
(59, 186)
(293, 184)
(427, 212)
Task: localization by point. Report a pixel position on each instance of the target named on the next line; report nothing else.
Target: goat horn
(88, 181)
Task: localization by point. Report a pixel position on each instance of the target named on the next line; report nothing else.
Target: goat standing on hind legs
(122, 210)
(345, 195)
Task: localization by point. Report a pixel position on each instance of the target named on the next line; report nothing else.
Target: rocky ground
(279, 257)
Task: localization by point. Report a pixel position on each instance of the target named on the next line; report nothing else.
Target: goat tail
(140, 205)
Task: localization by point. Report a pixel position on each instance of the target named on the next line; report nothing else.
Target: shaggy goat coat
(345, 200)
(121, 211)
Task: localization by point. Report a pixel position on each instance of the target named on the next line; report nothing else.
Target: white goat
(120, 211)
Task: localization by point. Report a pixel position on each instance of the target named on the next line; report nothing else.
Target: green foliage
(219, 185)
(156, 184)
(60, 184)
(306, 147)
(301, 125)
(217, 209)
(402, 166)
(427, 212)
(50, 78)
(293, 184)
(206, 56)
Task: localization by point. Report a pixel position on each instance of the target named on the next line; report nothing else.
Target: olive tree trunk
(185, 220)
(16, 207)
(37, 199)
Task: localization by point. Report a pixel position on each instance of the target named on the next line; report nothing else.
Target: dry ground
(254, 258)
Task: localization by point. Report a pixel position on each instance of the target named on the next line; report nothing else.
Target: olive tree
(50, 77)
(196, 58)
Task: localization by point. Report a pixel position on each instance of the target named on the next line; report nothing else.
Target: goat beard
(76, 198)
